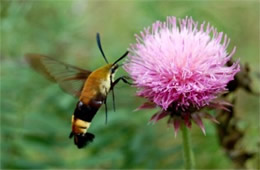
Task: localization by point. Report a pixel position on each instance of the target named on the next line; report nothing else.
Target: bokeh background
(36, 114)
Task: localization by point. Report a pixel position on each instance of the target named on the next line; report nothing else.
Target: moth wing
(71, 79)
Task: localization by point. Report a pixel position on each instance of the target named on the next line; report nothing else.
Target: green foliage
(35, 114)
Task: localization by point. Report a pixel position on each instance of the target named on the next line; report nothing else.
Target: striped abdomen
(81, 121)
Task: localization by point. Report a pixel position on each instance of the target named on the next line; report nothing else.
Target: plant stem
(187, 150)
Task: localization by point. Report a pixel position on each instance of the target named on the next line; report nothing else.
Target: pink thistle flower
(180, 66)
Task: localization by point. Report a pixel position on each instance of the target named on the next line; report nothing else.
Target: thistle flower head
(180, 65)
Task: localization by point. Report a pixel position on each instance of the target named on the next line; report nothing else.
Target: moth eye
(113, 69)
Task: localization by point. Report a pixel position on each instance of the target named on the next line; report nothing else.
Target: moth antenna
(100, 47)
(123, 56)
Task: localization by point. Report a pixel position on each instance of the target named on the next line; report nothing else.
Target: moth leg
(124, 79)
(113, 94)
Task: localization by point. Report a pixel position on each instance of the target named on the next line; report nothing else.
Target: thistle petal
(197, 119)
(221, 105)
(176, 125)
(146, 105)
(158, 116)
(208, 116)
(187, 119)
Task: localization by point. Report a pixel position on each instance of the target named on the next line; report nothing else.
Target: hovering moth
(89, 87)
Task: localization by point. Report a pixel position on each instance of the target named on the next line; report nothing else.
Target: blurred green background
(36, 114)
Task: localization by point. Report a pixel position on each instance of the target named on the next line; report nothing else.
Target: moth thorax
(113, 76)
(105, 85)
